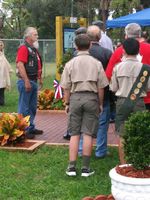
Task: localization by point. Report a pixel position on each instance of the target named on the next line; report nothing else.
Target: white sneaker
(87, 172)
(71, 171)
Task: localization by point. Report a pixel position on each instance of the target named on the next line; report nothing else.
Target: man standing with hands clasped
(29, 67)
(83, 81)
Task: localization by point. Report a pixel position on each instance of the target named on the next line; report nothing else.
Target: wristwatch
(67, 104)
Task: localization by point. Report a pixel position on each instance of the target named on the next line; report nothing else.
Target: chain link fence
(47, 49)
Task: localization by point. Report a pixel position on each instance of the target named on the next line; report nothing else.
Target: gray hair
(28, 32)
(94, 33)
(80, 30)
(133, 30)
(99, 23)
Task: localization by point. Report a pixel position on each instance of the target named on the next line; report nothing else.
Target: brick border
(37, 144)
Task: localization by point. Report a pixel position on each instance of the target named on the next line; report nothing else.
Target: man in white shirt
(105, 41)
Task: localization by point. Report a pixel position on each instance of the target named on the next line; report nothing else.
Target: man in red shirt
(29, 67)
(132, 30)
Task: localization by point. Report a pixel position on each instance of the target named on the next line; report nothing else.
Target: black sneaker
(87, 172)
(36, 132)
(29, 135)
(71, 171)
(66, 136)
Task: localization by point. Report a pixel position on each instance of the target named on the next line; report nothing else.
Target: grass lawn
(41, 175)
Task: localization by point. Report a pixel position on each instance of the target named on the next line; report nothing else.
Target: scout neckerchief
(133, 96)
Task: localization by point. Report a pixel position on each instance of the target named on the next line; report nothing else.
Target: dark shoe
(71, 171)
(87, 172)
(112, 121)
(37, 132)
(108, 154)
(30, 135)
(66, 136)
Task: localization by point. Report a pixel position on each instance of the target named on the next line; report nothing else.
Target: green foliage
(12, 128)
(58, 104)
(42, 13)
(66, 57)
(145, 3)
(123, 7)
(137, 140)
(46, 100)
(41, 175)
(17, 21)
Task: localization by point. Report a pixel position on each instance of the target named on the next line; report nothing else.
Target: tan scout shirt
(83, 73)
(124, 76)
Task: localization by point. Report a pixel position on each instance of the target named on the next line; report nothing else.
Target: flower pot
(128, 188)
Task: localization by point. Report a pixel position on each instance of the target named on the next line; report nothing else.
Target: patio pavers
(54, 125)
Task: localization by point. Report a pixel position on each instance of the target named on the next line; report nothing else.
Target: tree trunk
(104, 10)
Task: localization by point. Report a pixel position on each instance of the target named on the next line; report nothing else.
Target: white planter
(127, 188)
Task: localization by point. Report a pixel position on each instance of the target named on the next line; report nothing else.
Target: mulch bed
(129, 171)
(24, 144)
(100, 197)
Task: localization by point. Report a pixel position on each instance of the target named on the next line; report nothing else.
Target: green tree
(15, 18)
(104, 9)
(145, 3)
(23, 13)
(19, 14)
(123, 7)
(86, 8)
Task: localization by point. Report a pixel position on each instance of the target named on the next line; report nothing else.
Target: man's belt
(133, 96)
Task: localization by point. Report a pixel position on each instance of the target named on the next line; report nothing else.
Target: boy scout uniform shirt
(124, 76)
(83, 73)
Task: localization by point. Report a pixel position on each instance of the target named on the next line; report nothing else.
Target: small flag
(58, 90)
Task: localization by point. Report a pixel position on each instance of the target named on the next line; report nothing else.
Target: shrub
(137, 140)
(12, 128)
(66, 57)
(46, 101)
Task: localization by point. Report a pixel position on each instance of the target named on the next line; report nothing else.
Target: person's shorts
(139, 106)
(83, 113)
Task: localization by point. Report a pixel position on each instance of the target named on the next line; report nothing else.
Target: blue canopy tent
(140, 17)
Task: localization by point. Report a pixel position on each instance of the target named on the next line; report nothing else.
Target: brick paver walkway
(54, 125)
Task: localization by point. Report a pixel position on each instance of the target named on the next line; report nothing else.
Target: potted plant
(132, 181)
(12, 128)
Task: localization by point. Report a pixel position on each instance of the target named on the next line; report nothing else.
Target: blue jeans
(80, 146)
(101, 141)
(28, 101)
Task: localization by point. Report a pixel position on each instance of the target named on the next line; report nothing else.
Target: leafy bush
(137, 140)
(46, 101)
(12, 128)
(66, 57)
